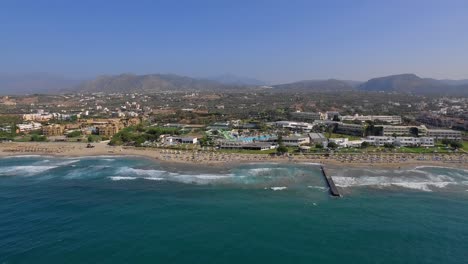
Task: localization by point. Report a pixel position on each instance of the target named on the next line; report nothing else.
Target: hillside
(150, 83)
(411, 83)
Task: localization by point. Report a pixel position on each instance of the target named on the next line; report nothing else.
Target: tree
(282, 149)
(38, 138)
(414, 131)
(446, 142)
(365, 144)
(456, 144)
(74, 134)
(332, 145)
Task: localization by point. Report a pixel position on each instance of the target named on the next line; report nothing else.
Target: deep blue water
(130, 210)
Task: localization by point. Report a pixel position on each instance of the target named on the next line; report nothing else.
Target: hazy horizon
(272, 41)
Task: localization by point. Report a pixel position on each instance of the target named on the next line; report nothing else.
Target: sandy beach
(210, 158)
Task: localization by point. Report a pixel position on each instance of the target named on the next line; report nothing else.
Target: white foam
(24, 170)
(122, 178)
(140, 172)
(154, 178)
(311, 163)
(260, 171)
(434, 181)
(278, 188)
(317, 187)
(67, 162)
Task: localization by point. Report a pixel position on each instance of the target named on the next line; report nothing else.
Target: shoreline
(228, 160)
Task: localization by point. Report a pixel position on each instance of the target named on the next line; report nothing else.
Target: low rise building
(308, 116)
(403, 130)
(293, 141)
(350, 129)
(400, 141)
(317, 138)
(108, 130)
(296, 126)
(392, 119)
(53, 130)
(169, 140)
(444, 134)
(248, 146)
(28, 127)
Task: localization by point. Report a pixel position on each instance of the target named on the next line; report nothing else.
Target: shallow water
(121, 210)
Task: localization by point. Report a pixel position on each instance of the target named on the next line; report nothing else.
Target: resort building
(179, 140)
(248, 146)
(350, 129)
(28, 127)
(400, 141)
(403, 130)
(296, 126)
(444, 134)
(362, 118)
(308, 116)
(108, 130)
(53, 130)
(317, 138)
(293, 141)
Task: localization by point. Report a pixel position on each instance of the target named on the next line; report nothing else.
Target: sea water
(133, 210)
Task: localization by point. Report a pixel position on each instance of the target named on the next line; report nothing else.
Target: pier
(331, 184)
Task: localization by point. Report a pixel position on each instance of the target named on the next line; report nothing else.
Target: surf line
(331, 184)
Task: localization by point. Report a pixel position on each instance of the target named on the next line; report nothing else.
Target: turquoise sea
(133, 210)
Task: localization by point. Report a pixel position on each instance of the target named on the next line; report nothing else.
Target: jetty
(331, 184)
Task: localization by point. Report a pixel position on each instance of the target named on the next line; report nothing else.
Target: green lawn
(465, 146)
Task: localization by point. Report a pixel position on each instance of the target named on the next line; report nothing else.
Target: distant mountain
(411, 83)
(454, 82)
(237, 80)
(16, 84)
(331, 85)
(30, 83)
(150, 83)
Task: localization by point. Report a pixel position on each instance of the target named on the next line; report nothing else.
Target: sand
(210, 158)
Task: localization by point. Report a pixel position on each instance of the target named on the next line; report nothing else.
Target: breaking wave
(427, 184)
(24, 170)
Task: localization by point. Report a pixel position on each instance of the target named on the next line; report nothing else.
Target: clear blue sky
(276, 41)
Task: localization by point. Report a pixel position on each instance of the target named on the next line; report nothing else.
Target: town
(263, 121)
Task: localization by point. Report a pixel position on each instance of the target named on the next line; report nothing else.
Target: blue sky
(276, 41)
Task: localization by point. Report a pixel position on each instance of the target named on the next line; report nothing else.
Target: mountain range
(124, 83)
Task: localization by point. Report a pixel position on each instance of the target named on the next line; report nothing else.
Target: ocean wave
(432, 181)
(159, 175)
(317, 187)
(154, 179)
(122, 178)
(24, 170)
(140, 172)
(260, 171)
(280, 188)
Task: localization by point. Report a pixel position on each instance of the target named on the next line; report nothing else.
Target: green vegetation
(136, 135)
(94, 138)
(365, 144)
(332, 145)
(74, 134)
(38, 138)
(282, 149)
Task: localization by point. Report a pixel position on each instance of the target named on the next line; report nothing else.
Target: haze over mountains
(123, 83)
